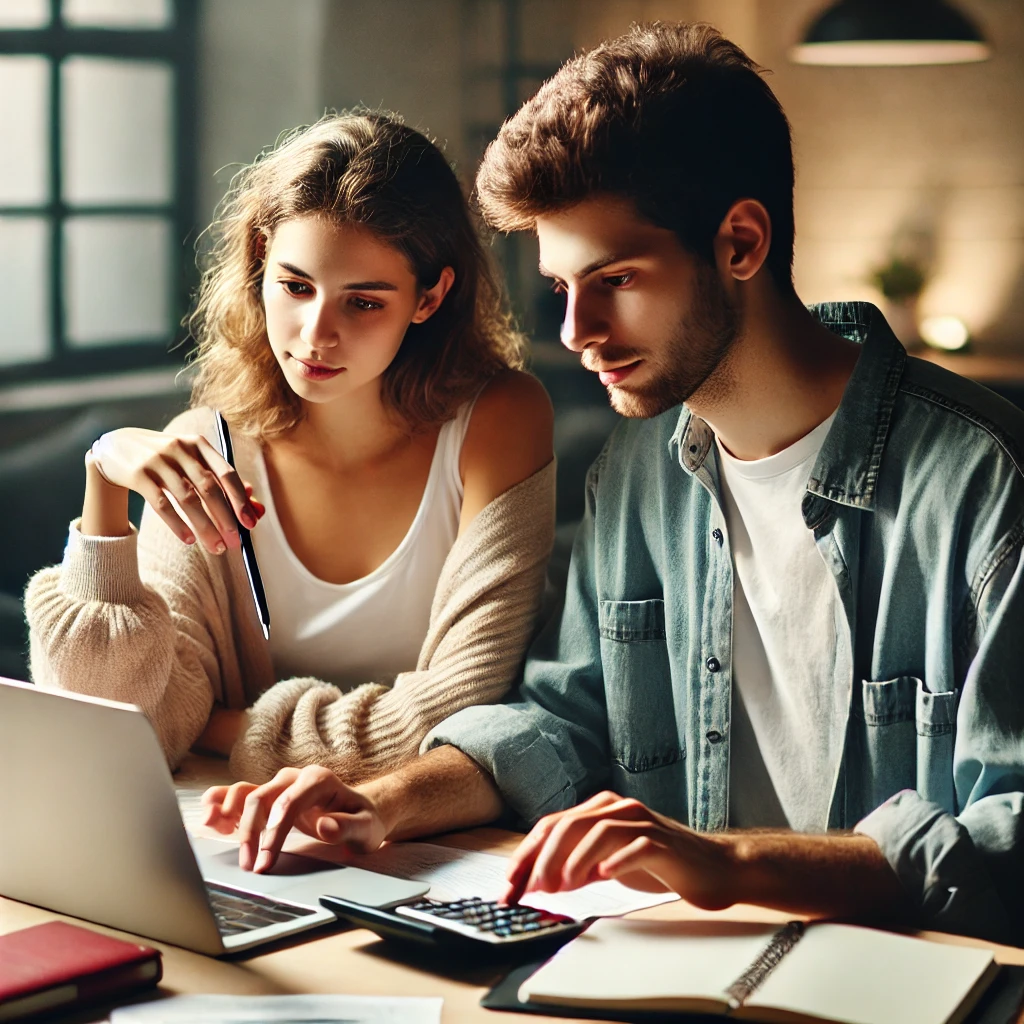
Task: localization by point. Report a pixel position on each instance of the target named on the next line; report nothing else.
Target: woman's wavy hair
(365, 168)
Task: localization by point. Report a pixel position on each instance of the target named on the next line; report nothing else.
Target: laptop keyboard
(238, 912)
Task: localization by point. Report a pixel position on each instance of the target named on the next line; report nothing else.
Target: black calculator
(454, 922)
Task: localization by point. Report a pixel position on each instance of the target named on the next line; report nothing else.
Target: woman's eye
(558, 287)
(366, 304)
(618, 280)
(297, 288)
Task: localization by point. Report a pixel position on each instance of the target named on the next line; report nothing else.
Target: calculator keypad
(487, 920)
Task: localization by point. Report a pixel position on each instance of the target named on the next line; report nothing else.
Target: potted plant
(900, 280)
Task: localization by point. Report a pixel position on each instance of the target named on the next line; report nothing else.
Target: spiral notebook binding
(753, 977)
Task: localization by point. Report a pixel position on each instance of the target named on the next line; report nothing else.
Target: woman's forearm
(105, 509)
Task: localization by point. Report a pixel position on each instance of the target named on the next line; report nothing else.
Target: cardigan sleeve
(481, 622)
(142, 619)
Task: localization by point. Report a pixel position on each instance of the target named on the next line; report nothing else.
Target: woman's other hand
(161, 466)
(311, 799)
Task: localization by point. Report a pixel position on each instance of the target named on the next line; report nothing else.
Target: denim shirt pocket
(909, 736)
(648, 754)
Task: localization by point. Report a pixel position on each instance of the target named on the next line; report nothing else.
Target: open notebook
(826, 972)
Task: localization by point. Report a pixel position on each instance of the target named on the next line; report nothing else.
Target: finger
(212, 804)
(256, 807)
(305, 801)
(208, 487)
(640, 863)
(156, 497)
(171, 480)
(604, 839)
(230, 482)
(520, 863)
(226, 805)
(353, 831)
(569, 832)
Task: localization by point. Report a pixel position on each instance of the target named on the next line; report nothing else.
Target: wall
(930, 158)
(927, 159)
(259, 74)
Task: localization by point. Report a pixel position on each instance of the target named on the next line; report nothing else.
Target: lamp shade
(890, 32)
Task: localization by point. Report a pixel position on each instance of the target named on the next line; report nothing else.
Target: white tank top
(371, 629)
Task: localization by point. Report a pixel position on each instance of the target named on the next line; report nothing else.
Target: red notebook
(61, 965)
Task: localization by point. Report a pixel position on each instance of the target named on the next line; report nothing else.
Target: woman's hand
(311, 799)
(161, 466)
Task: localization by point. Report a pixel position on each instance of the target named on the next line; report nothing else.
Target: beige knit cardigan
(151, 621)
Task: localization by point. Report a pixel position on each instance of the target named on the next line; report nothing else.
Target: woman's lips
(316, 371)
(618, 375)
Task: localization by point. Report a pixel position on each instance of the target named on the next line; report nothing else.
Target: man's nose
(320, 325)
(583, 324)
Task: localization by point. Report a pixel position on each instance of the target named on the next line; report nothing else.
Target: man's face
(652, 320)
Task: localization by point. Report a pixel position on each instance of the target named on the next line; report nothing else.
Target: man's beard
(699, 343)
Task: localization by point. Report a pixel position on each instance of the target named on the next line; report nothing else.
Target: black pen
(252, 570)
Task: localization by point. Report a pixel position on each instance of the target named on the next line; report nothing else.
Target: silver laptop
(90, 827)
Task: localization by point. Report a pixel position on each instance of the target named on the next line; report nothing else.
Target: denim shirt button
(713, 664)
(714, 736)
(717, 534)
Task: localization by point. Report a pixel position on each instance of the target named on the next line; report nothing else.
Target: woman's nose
(319, 327)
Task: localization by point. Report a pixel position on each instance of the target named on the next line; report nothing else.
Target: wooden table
(356, 962)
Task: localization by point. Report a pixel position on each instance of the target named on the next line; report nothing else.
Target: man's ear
(743, 239)
(431, 298)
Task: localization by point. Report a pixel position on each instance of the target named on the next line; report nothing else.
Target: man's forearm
(838, 875)
(440, 791)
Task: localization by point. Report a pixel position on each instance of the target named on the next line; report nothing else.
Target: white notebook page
(863, 976)
(636, 960)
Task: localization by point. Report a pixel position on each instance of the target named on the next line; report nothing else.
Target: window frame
(174, 46)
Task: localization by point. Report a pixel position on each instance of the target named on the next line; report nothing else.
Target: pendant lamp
(890, 33)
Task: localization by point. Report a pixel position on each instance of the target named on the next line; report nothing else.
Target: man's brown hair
(674, 117)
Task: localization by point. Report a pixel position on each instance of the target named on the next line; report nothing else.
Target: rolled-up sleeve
(965, 873)
(546, 745)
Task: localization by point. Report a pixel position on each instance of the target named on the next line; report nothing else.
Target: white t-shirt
(371, 629)
(786, 723)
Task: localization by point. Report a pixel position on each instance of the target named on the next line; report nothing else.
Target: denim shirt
(916, 503)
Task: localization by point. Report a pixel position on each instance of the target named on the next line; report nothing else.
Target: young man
(791, 645)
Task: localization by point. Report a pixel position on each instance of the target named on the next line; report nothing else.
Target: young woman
(351, 331)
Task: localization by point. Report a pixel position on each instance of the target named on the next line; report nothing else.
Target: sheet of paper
(292, 1009)
(455, 874)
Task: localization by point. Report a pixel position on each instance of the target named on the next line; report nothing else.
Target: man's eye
(618, 280)
(297, 288)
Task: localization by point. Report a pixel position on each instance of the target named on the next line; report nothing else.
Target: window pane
(24, 128)
(24, 289)
(118, 13)
(24, 13)
(116, 131)
(116, 279)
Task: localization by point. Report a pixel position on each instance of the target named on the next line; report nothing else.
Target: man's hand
(312, 799)
(835, 875)
(615, 837)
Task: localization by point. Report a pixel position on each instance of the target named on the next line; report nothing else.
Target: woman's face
(338, 302)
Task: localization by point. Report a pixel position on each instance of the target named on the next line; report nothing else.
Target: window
(96, 184)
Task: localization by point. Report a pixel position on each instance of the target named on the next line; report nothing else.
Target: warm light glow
(945, 332)
(889, 53)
